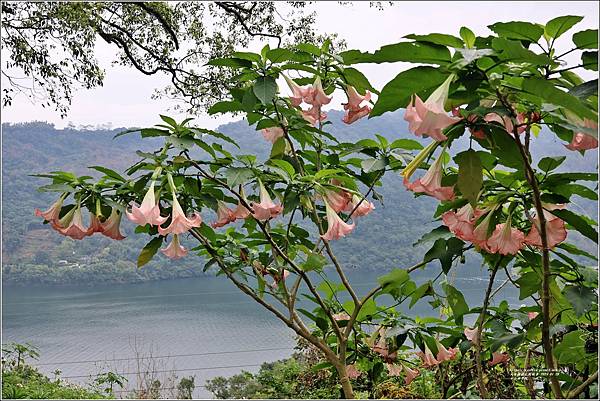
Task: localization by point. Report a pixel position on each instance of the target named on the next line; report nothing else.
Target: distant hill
(34, 253)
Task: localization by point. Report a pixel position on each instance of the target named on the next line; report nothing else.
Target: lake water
(202, 327)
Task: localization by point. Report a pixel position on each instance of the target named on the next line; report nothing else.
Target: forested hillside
(33, 253)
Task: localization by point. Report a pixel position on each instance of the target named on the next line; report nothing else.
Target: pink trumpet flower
(471, 334)
(72, 226)
(341, 316)
(314, 115)
(352, 372)
(411, 374)
(532, 315)
(180, 223)
(506, 240)
(427, 358)
(175, 250)
(336, 227)
(460, 223)
(555, 233)
(266, 208)
(53, 213)
(338, 199)
(583, 141)
(353, 109)
(445, 354)
(298, 92)
(272, 134)
(110, 227)
(316, 97)
(364, 206)
(95, 224)
(241, 211)
(394, 369)
(224, 215)
(499, 357)
(430, 118)
(148, 212)
(431, 183)
(507, 122)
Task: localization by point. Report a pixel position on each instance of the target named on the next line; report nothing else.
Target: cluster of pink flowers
(497, 357)
(394, 368)
(337, 201)
(431, 183)
(314, 96)
(504, 239)
(443, 355)
(71, 224)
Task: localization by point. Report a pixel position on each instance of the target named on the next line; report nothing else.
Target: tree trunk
(344, 381)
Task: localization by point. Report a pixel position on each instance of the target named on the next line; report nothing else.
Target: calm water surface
(201, 326)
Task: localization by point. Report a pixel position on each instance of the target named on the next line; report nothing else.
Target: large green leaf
(578, 223)
(551, 162)
(414, 52)
(582, 298)
(149, 251)
(551, 94)
(265, 89)
(444, 250)
(572, 348)
(513, 50)
(231, 62)
(585, 90)
(589, 60)
(438, 39)
(456, 302)
(238, 175)
(397, 93)
(470, 175)
(559, 25)
(468, 36)
(225, 107)
(358, 80)
(518, 30)
(529, 284)
(587, 39)
(394, 279)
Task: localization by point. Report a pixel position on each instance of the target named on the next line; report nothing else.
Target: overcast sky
(125, 98)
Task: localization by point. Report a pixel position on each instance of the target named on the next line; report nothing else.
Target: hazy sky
(125, 98)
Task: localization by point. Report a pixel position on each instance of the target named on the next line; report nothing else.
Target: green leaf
(369, 308)
(551, 94)
(590, 60)
(585, 90)
(582, 298)
(456, 302)
(470, 175)
(578, 223)
(280, 54)
(438, 39)
(468, 36)
(444, 250)
(265, 89)
(423, 290)
(358, 80)
(283, 165)
(232, 62)
(414, 52)
(108, 172)
(572, 249)
(572, 348)
(314, 261)
(550, 163)
(397, 93)
(513, 50)
(510, 340)
(587, 39)
(278, 148)
(408, 144)
(433, 235)
(567, 190)
(370, 165)
(225, 107)
(238, 175)
(559, 25)
(518, 30)
(394, 279)
(529, 284)
(169, 121)
(149, 251)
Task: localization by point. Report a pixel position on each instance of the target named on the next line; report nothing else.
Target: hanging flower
(445, 354)
(394, 369)
(430, 118)
(507, 122)
(72, 226)
(471, 334)
(583, 141)
(266, 209)
(532, 315)
(364, 206)
(224, 215)
(460, 223)
(480, 233)
(241, 211)
(499, 357)
(179, 222)
(427, 358)
(314, 115)
(341, 316)
(431, 183)
(53, 213)
(298, 92)
(411, 374)
(315, 96)
(338, 199)
(175, 250)
(352, 372)
(272, 134)
(506, 240)
(336, 227)
(148, 212)
(353, 109)
(110, 227)
(555, 233)
(95, 224)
